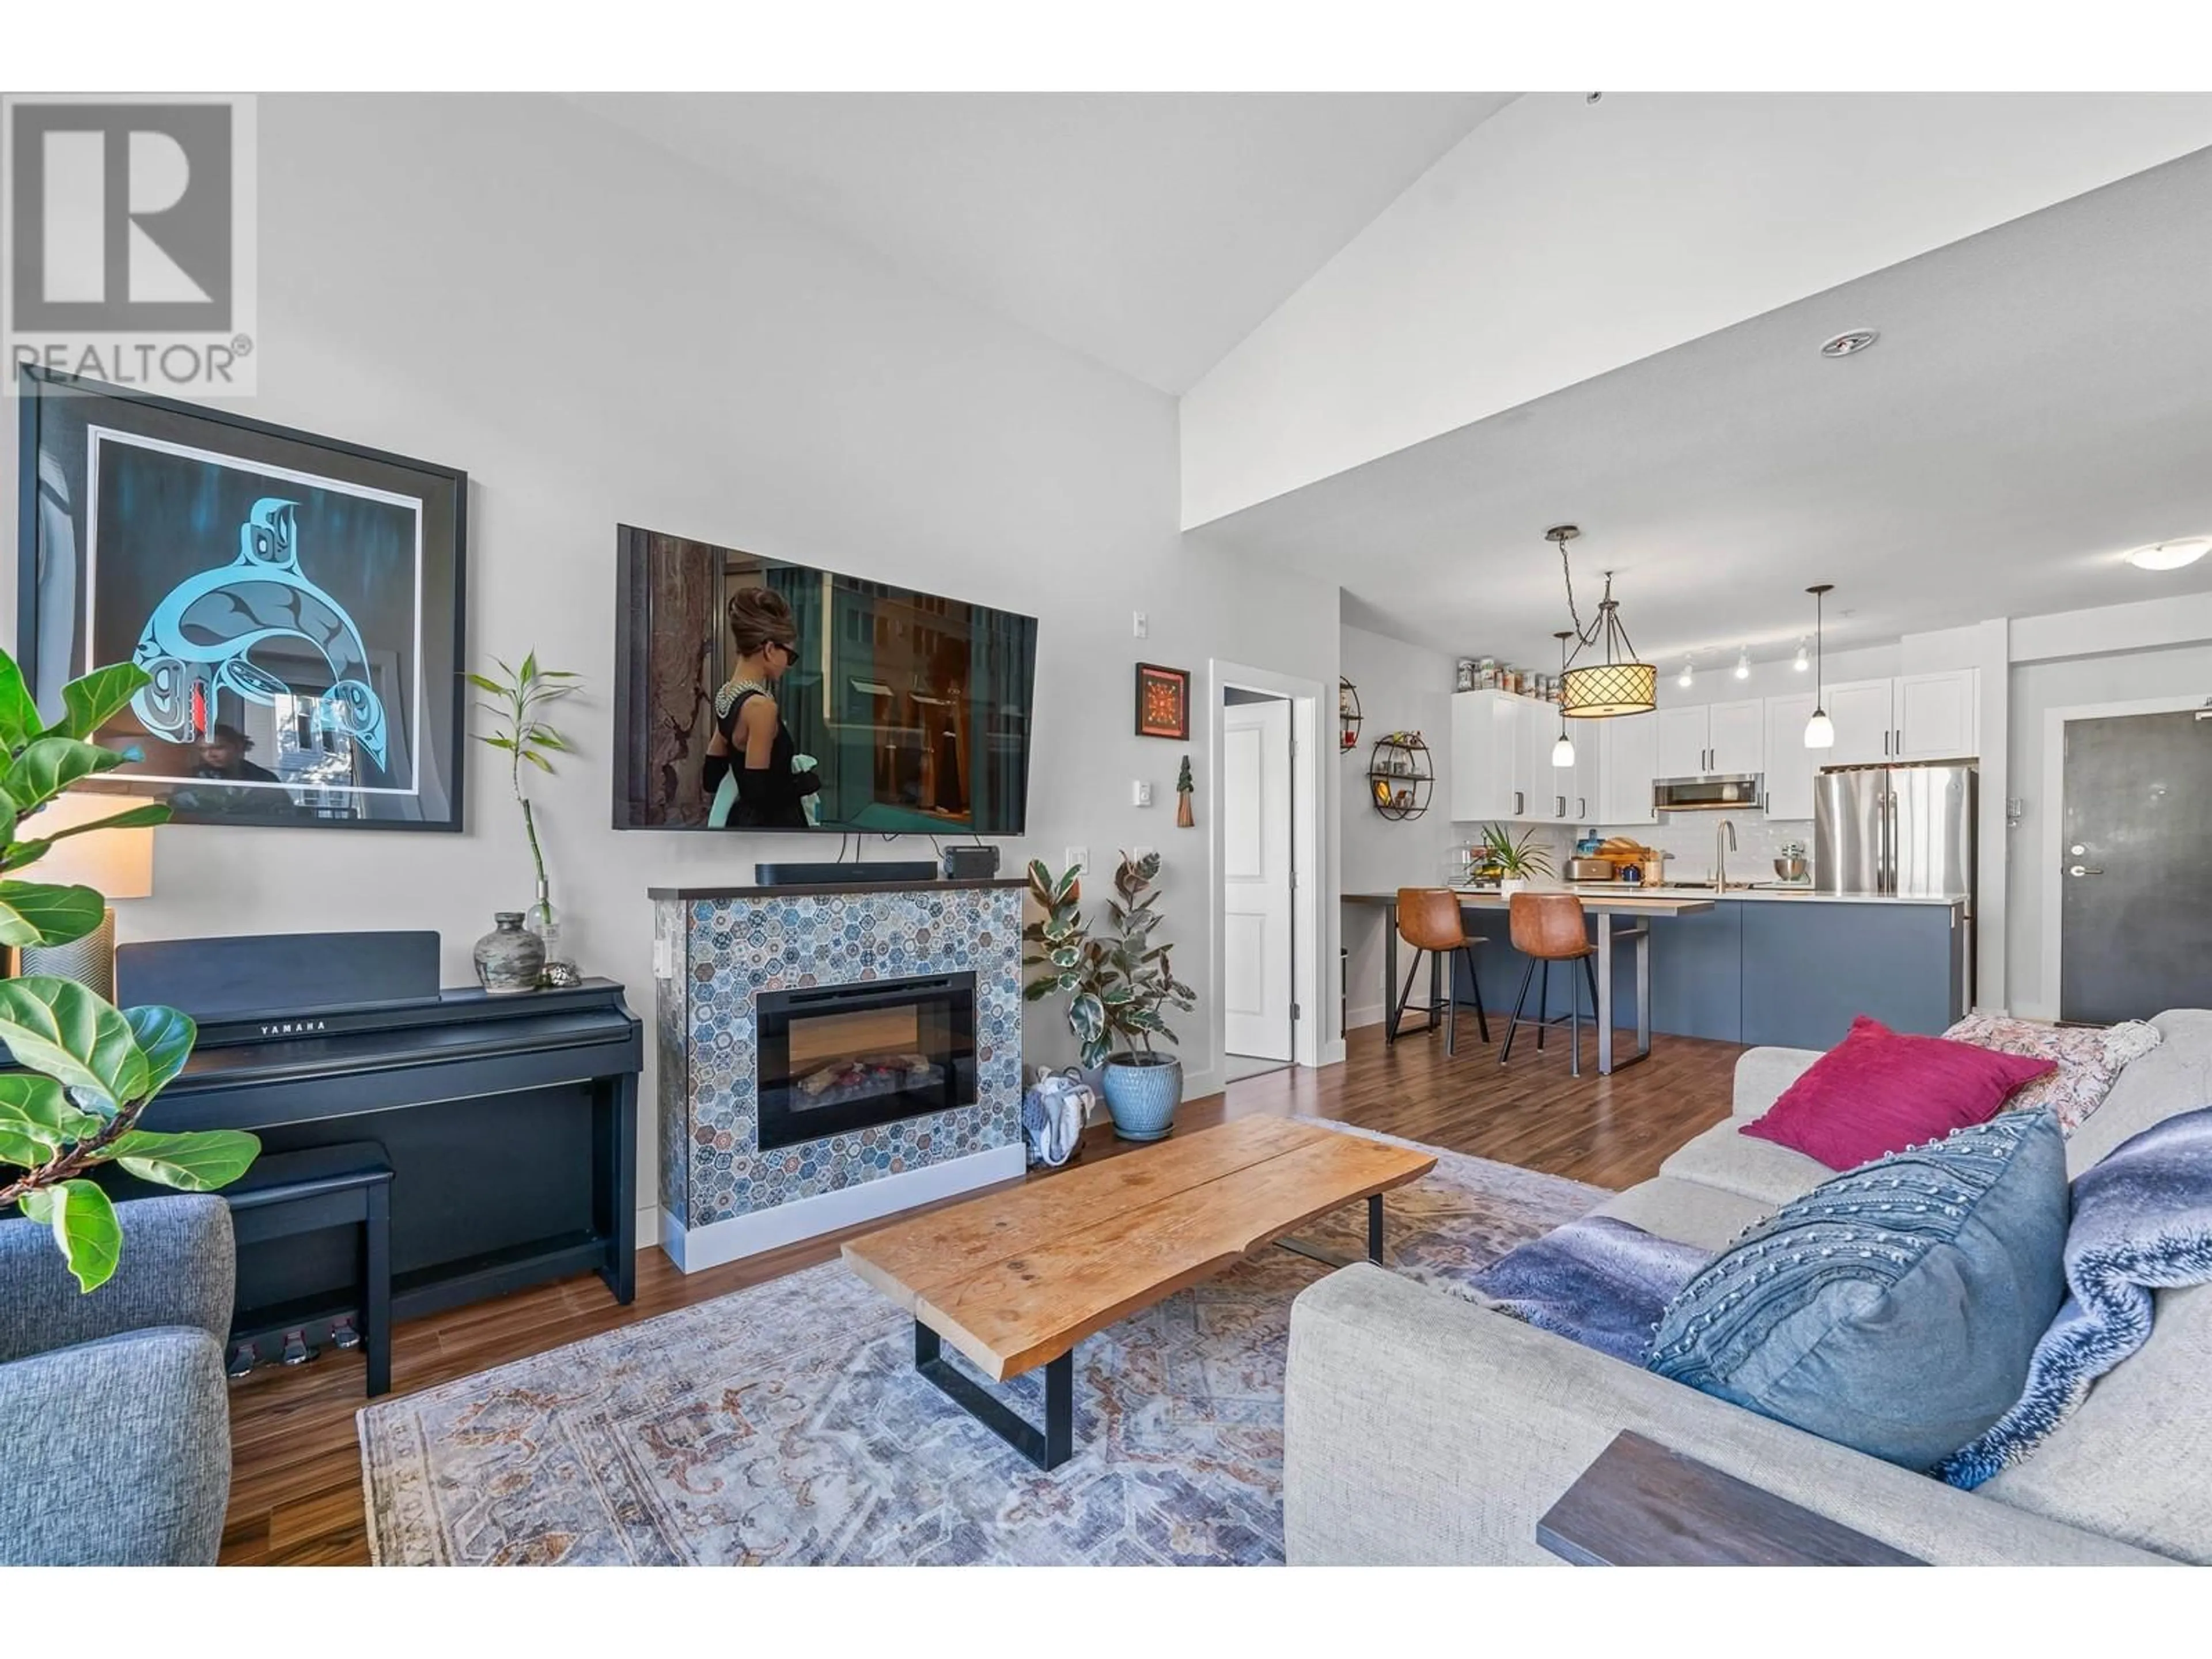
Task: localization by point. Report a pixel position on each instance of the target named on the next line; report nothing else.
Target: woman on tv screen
(761, 791)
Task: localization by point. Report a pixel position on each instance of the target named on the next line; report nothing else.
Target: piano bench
(285, 1195)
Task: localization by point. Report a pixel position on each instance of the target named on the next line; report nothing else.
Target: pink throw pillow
(1877, 1092)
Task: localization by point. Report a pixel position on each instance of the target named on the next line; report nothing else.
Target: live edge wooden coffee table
(1016, 1278)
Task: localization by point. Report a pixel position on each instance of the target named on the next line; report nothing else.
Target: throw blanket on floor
(1596, 1281)
(2142, 1221)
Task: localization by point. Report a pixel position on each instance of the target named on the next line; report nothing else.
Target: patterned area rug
(785, 1424)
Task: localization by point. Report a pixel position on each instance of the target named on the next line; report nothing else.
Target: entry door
(1255, 829)
(2135, 894)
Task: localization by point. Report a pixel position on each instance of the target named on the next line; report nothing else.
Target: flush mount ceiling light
(1850, 343)
(1820, 731)
(2170, 555)
(1618, 685)
(1743, 663)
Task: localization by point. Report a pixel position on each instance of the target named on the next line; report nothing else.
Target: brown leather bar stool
(1429, 919)
(1549, 927)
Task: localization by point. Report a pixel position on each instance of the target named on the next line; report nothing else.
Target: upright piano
(510, 1121)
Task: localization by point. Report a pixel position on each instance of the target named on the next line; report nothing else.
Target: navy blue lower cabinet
(1698, 974)
(1809, 967)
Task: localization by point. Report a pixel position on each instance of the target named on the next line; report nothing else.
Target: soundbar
(888, 873)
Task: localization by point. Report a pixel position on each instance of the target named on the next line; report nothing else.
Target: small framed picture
(1163, 701)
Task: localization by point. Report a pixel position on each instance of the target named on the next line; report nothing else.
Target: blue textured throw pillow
(1894, 1308)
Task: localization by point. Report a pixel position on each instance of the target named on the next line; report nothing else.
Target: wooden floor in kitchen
(295, 1490)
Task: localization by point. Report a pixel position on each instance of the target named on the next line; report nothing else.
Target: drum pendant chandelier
(1620, 685)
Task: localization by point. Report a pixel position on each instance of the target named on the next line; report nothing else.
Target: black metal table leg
(1375, 1228)
(1048, 1449)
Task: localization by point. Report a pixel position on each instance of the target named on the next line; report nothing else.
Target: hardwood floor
(295, 1490)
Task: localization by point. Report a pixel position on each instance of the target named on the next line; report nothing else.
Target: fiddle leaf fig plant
(89, 1069)
(1116, 982)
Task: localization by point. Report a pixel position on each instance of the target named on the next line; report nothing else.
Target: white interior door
(1256, 826)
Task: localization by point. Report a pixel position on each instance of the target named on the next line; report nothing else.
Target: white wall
(1562, 239)
(597, 335)
(1401, 688)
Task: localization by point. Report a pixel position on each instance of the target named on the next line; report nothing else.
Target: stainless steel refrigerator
(1903, 830)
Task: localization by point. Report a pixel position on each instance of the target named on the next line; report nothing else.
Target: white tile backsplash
(1687, 839)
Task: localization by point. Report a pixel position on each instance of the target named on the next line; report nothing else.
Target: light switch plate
(1140, 792)
(1077, 855)
(1140, 624)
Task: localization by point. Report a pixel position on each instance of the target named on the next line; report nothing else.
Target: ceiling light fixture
(1803, 660)
(1743, 663)
(1621, 684)
(2170, 555)
(1820, 731)
(1562, 752)
(1850, 343)
(1688, 677)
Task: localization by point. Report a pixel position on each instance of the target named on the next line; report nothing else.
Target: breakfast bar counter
(1605, 909)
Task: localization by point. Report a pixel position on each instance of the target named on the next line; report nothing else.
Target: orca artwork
(294, 603)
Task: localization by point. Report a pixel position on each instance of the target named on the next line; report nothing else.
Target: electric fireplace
(836, 1058)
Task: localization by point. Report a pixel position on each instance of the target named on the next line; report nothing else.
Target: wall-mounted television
(911, 709)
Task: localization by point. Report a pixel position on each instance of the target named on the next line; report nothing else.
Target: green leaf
(1066, 957)
(500, 742)
(19, 714)
(529, 669)
(51, 764)
(165, 1037)
(84, 1226)
(483, 684)
(21, 1148)
(97, 698)
(1038, 989)
(1086, 1016)
(33, 913)
(40, 1106)
(196, 1162)
(54, 1026)
(537, 760)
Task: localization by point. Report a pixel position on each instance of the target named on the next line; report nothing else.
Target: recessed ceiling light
(2170, 555)
(1848, 341)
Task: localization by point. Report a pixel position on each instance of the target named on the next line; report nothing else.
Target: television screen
(909, 713)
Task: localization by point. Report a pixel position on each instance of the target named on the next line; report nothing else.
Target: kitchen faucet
(1723, 844)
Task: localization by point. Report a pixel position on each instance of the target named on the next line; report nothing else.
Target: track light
(1688, 675)
(1804, 658)
(1743, 663)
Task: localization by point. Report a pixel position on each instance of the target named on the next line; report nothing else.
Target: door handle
(1885, 743)
(1582, 806)
(1558, 806)
(2077, 871)
(1517, 799)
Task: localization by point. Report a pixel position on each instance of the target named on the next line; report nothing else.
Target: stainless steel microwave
(1706, 794)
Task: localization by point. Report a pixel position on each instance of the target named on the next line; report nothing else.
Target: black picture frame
(379, 743)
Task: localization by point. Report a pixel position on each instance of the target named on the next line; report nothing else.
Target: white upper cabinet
(1937, 715)
(1627, 747)
(1735, 741)
(1682, 738)
(1489, 733)
(1586, 799)
(1790, 766)
(1865, 734)
(1545, 788)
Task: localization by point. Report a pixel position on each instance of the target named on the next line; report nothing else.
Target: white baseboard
(741, 1236)
(1370, 1014)
(648, 1227)
(1332, 1052)
(1196, 1086)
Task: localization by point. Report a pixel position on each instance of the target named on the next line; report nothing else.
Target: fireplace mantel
(716, 950)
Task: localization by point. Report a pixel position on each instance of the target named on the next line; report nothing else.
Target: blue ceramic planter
(1143, 1099)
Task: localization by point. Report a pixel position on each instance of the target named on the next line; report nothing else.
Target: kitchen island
(1787, 966)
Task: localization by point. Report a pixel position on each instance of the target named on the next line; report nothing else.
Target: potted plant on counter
(1117, 984)
(1520, 863)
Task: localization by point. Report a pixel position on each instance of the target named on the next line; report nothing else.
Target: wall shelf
(1400, 776)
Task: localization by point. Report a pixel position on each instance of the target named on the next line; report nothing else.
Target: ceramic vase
(508, 959)
(1142, 1092)
(1508, 885)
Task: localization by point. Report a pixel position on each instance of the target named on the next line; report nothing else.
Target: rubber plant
(1116, 983)
(88, 1068)
(520, 732)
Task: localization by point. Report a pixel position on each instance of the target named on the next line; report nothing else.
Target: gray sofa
(1419, 1427)
(113, 1405)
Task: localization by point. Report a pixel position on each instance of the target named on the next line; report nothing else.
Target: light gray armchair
(113, 1408)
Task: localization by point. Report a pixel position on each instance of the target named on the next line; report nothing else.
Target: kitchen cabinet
(1586, 792)
(1627, 748)
(1546, 791)
(1790, 766)
(1700, 738)
(1485, 742)
(1937, 716)
(1861, 711)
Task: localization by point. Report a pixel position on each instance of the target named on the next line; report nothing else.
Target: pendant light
(1562, 752)
(1820, 731)
(1621, 684)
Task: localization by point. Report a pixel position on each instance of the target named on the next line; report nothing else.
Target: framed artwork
(297, 601)
(1163, 701)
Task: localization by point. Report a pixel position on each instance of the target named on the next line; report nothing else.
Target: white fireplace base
(741, 1236)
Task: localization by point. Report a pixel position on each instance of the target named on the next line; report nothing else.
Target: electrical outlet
(1078, 856)
(1140, 625)
(1140, 793)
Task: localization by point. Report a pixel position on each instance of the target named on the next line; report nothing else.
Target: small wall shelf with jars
(1400, 774)
(1348, 716)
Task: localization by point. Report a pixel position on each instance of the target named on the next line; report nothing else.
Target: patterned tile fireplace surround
(715, 951)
